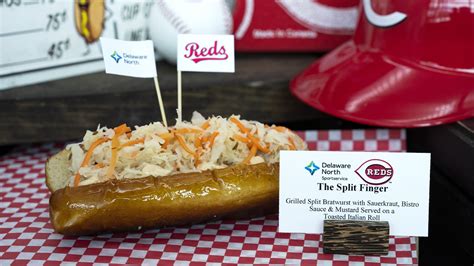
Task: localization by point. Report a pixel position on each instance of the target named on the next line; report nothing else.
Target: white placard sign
(206, 53)
(43, 40)
(129, 58)
(368, 186)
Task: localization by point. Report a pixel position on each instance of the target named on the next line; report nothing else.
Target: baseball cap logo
(382, 20)
(375, 172)
(312, 168)
(116, 56)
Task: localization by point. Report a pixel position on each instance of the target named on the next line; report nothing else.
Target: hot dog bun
(57, 170)
(132, 204)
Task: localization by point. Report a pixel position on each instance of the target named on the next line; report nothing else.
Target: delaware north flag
(129, 58)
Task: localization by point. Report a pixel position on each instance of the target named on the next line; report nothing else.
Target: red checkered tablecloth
(26, 235)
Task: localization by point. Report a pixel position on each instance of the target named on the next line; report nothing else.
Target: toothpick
(180, 104)
(160, 101)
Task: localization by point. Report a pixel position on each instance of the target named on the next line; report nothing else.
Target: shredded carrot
(252, 153)
(197, 160)
(292, 144)
(113, 159)
(206, 125)
(204, 139)
(280, 129)
(239, 125)
(99, 165)
(245, 130)
(77, 177)
(91, 149)
(182, 142)
(120, 130)
(197, 142)
(123, 128)
(167, 137)
(165, 144)
(213, 138)
(256, 142)
(132, 142)
(242, 139)
(187, 130)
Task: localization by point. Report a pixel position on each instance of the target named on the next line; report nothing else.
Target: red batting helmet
(410, 64)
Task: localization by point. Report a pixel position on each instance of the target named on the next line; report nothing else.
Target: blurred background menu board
(39, 36)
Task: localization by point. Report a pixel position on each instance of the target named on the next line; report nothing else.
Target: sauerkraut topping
(154, 150)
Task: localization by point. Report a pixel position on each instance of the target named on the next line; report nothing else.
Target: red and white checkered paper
(26, 235)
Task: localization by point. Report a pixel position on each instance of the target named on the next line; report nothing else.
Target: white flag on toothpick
(135, 59)
(129, 58)
(206, 53)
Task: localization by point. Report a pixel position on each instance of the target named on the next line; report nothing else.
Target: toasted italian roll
(151, 177)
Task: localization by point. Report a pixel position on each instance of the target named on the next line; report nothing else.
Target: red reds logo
(375, 172)
(198, 54)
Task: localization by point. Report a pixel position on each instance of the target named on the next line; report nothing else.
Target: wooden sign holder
(355, 237)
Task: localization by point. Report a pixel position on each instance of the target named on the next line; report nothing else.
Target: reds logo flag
(206, 53)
